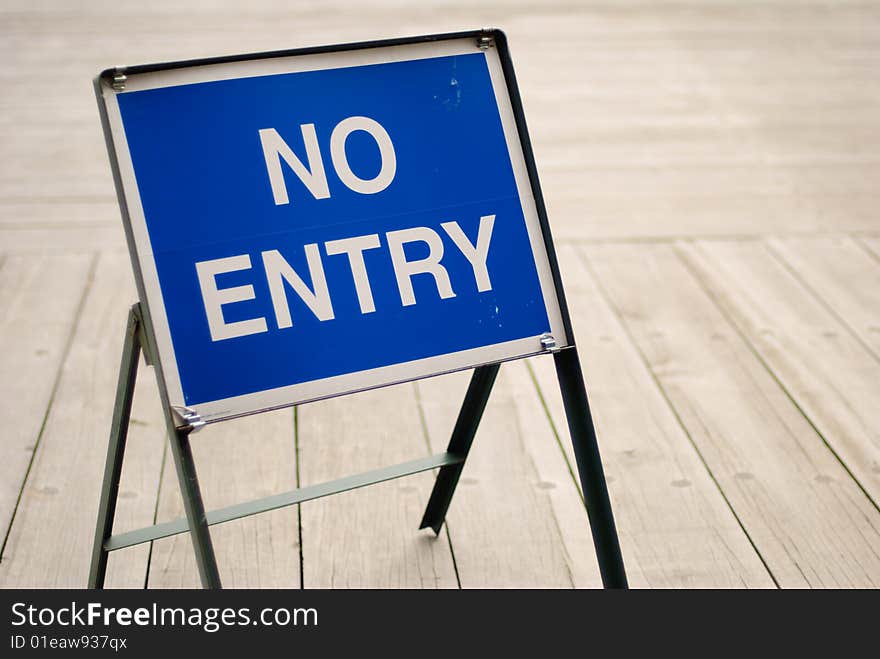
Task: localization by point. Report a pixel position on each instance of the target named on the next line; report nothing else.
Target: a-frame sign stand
(451, 464)
(152, 157)
(196, 521)
(586, 452)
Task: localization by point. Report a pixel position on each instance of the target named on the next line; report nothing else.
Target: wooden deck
(711, 171)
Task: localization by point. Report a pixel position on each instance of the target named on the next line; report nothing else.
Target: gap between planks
(821, 363)
(42, 301)
(677, 529)
(809, 520)
(50, 540)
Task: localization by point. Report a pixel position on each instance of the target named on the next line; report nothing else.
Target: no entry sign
(310, 224)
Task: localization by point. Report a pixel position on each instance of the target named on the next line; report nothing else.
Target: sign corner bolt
(119, 79)
(548, 343)
(191, 421)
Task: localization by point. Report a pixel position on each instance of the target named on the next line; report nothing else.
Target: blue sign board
(315, 225)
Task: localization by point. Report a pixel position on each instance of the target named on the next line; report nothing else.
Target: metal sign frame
(181, 422)
(140, 78)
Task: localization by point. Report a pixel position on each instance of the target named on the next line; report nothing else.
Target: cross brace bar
(276, 501)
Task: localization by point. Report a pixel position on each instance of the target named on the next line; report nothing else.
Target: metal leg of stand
(195, 508)
(116, 449)
(589, 464)
(459, 444)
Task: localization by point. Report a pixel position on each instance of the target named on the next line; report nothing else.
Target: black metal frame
(451, 464)
(196, 520)
(139, 335)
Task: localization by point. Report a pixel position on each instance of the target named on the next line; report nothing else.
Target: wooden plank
(653, 104)
(42, 240)
(807, 517)
(843, 275)
(677, 531)
(872, 244)
(236, 461)
(51, 537)
(80, 212)
(40, 297)
(368, 538)
(651, 94)
(517, 520)
(831, 375)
